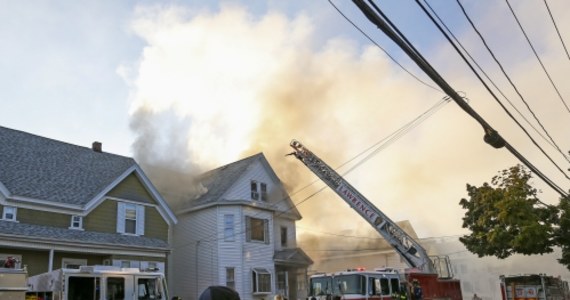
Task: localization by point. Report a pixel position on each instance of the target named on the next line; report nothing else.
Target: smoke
(212, 87)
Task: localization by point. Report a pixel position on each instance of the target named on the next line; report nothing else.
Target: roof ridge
(59, 141)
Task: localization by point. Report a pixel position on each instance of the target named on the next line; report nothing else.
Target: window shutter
(140, 219)
(266, 231)
(121, 217)
(247, 229)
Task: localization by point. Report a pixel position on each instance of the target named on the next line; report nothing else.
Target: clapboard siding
(194, 253)
(155, 225)
(40, 217)
(291, 233)
(103, 218)
(241, 189)
(131, 188)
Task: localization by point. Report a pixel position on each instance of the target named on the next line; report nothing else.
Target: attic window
(254, 192)
(76, 222)
(263, 188)
(9, 213)
(258, 190)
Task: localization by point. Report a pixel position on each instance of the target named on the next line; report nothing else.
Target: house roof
(36, 167)
(218, 181)
(47, 233)
(295, 256)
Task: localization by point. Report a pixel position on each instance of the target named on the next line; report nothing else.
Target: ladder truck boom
(410, 251)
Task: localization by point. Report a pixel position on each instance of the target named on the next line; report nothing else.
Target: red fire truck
(433, 275)
(533, 287)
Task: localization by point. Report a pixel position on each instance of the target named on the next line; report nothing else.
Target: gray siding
(194, 253)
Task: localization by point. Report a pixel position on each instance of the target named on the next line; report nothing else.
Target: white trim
(80, 227)
(168, 215)
(35, 202)
(74, 261)
(4, 191)
(14, 213)
(74, 247)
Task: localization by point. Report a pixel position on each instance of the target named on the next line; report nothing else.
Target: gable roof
(47, 171)
(218, 181)
(34, 167)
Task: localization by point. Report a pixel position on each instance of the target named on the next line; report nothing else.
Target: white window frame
(139, 218)
(229, 228)
(72, 261)
(10, 210)
(257, 274)
(79, 222)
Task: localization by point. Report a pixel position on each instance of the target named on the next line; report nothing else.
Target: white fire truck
(13, 284)
(533, 287)
(98, 283)
(434, 275)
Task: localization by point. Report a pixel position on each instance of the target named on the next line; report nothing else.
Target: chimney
(97, 147)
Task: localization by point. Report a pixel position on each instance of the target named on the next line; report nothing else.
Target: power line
(549, 141)
(381, 48)
(492, 137)
(514, 87)
(537, 56)
(556, 27)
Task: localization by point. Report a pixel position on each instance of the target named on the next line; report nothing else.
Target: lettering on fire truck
(361, 206)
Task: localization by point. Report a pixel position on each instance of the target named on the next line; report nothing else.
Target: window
(263, 188)
(257, 230)
(76, 222)
(283, 236)
(130, 218)
(229, 233)
(230, 277)
(73, 263)
(9, 213)
(125, 263)
(254, 192)
(148, 288)
(261, 280)
(258, 189)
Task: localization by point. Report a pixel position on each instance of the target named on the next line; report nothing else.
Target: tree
(506, 217)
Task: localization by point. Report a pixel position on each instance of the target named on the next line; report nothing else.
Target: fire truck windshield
(321, 285)
(350, 284)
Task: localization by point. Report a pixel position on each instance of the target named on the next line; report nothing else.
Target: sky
(193, 85)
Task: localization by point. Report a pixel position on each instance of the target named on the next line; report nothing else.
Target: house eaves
(64, 236)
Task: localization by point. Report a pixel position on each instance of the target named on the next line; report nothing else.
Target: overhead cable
(556, 27)
(537, 57)
(381, 48)
(492, 137)
(551, 141)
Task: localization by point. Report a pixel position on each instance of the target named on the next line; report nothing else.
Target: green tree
(506, 217)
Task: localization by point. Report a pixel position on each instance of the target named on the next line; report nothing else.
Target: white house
(240, 233)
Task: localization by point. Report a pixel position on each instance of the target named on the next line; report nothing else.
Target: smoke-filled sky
(192, 85)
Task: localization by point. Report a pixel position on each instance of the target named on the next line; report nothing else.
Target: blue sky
(197, 84)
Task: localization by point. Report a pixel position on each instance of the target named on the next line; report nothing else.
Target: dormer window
(258, 190)
(9, 213)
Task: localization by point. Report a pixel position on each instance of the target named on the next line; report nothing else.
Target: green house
(64, 205)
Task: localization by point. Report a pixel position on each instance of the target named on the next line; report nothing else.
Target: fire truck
(533, 287)
(97, 283)
(433, 274)
(355, 284)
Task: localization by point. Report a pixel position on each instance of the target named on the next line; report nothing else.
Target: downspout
(50, 261)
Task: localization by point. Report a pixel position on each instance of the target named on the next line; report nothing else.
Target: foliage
(506, 217)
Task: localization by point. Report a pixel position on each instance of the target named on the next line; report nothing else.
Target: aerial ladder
(411, 251)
